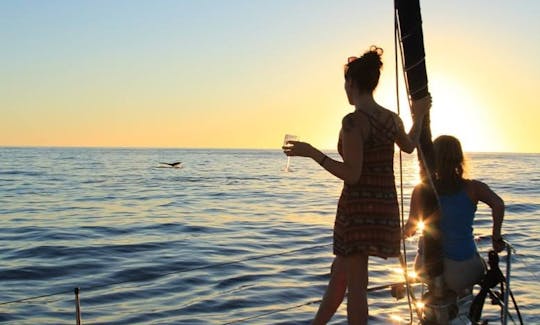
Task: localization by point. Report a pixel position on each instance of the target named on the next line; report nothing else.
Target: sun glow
(421, 225)
(457, 112)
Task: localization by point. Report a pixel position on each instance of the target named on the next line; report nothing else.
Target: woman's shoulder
(474, 188)
(388, 115)
(423, 190)
(353, 120)
(349, 122)
(383, 111)
(482, 192)
(422, 186)
(474, 184)
(388, 111)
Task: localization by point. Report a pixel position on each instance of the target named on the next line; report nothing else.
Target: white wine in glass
(288, 137)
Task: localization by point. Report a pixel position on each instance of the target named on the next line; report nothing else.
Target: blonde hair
(449, 163)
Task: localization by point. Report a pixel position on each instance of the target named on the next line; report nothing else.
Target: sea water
(227, 238)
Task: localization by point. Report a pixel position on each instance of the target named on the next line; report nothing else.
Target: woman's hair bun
(372, 58)
(365, 70)
(375, 48)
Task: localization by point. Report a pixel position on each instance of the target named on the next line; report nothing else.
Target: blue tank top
(457, 226)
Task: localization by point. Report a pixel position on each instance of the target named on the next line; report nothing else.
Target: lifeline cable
(273, 312)
(91, 288)
(372, 289)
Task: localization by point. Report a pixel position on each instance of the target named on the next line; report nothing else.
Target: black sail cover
(412, 42)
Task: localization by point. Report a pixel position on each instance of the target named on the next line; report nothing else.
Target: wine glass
(288, 137)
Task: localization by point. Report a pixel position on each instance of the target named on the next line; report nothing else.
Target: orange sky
(241, 75)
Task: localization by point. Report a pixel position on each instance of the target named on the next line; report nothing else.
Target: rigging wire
(403, 258)
(421, 155)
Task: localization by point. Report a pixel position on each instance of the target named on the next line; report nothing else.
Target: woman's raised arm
(419, 109)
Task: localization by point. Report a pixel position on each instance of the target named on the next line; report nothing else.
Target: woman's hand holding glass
(298, 148)
(287, 145)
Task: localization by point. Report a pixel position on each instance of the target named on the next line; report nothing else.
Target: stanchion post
(507, 284)
(77, 306)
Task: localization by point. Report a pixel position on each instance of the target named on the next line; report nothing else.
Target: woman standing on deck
(458, 198)
(367, 219)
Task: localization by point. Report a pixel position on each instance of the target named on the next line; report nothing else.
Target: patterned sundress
(367, 218)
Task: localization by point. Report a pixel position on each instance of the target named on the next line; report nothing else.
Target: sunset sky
(242, 73)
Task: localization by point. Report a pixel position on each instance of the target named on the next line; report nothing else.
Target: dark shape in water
(174, 164)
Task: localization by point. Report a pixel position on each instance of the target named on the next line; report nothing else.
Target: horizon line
(206, 148)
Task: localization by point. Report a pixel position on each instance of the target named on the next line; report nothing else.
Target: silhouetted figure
(458, 198)
(367, 218)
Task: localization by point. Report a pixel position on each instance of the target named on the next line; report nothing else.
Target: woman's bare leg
(335, 292)
(357, 281)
